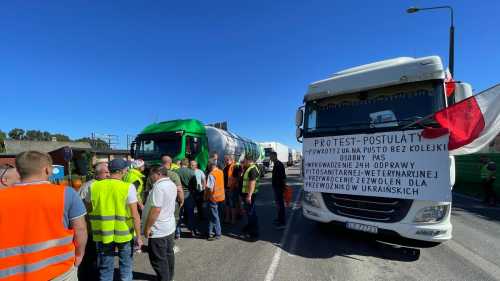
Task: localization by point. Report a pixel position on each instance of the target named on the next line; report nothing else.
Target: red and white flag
(449, 83)
(472, 123)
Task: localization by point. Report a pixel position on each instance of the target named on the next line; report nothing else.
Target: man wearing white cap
(135, 176)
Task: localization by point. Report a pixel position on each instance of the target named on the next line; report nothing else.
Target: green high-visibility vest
(132, 176)
(245, 179)
(110, 218)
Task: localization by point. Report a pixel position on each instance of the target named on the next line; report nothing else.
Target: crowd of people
(62, 234)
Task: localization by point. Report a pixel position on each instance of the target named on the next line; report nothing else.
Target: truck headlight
(311, 199)
(431, 214)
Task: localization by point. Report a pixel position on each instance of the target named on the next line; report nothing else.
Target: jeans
(214, 218)
(280, 203)
(161, 257)
(186, 215)
(252, 227)
(106, 260)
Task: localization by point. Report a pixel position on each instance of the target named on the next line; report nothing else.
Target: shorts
(233, 199)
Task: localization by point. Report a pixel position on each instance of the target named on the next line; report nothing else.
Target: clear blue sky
(78, 67)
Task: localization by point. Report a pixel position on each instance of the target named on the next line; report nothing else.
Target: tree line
(37, 135)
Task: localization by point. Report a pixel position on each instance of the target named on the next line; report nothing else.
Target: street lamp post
(451, 61)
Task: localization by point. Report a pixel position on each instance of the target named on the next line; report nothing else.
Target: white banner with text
(393, 164)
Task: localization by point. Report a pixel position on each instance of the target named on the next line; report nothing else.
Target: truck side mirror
(462, 91)
(298, 134)
(299, 118)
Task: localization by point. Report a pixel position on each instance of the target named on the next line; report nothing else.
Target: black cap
(117, 165)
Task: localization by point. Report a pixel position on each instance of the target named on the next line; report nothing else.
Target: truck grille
(367, 207)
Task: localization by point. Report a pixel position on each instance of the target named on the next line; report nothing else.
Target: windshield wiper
(414, 120)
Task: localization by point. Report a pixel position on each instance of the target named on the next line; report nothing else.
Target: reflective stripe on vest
(35, 245)
(132, 176)
(246, 181)
(28, 268)
(217, 194)
(110, 218)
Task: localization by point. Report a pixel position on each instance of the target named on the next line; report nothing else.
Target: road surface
(308, 251)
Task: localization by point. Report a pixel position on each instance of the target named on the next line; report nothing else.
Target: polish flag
(449, 83)
(471, 123)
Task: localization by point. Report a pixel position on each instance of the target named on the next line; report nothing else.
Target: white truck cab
(374, 186)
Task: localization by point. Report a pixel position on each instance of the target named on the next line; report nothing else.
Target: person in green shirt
(188, 181)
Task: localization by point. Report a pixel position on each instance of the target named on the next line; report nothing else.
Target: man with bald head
(101, 172)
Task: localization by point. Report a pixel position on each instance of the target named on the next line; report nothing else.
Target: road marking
(474, 258)
(271, 271)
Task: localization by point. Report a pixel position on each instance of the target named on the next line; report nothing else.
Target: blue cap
(117, 165)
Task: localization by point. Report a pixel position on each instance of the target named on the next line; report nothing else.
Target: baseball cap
(117, 164)
(137, 164)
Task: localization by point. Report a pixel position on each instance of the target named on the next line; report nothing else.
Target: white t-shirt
(162, 196)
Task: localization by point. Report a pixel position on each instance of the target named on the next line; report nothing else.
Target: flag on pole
(471, 123)
(449, 83)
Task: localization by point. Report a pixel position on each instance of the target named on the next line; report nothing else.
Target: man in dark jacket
(279, 184)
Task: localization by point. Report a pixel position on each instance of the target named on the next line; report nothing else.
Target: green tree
(16, 134)
(96, 144)
(34, 135)
(61, 137)
(3, 135)
(46, 136)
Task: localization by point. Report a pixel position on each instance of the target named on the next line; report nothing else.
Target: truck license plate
(362, 227)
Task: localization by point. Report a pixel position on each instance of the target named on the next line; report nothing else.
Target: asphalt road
(309, 251)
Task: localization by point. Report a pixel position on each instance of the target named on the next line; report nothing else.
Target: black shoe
(252, 237)
(211, 238)
(194, 233)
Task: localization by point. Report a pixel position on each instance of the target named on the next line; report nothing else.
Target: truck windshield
(153, 149)
(383, 109)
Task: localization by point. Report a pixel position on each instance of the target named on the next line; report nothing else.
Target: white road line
(271, 271)
(473, 258)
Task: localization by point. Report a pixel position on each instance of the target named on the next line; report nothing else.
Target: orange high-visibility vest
(217, 193)
(34, 244)
(232, 181)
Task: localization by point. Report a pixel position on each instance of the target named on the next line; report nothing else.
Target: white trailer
(281, 151)
(292, 157)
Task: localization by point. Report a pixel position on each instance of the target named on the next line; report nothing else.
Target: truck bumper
(438, 232)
